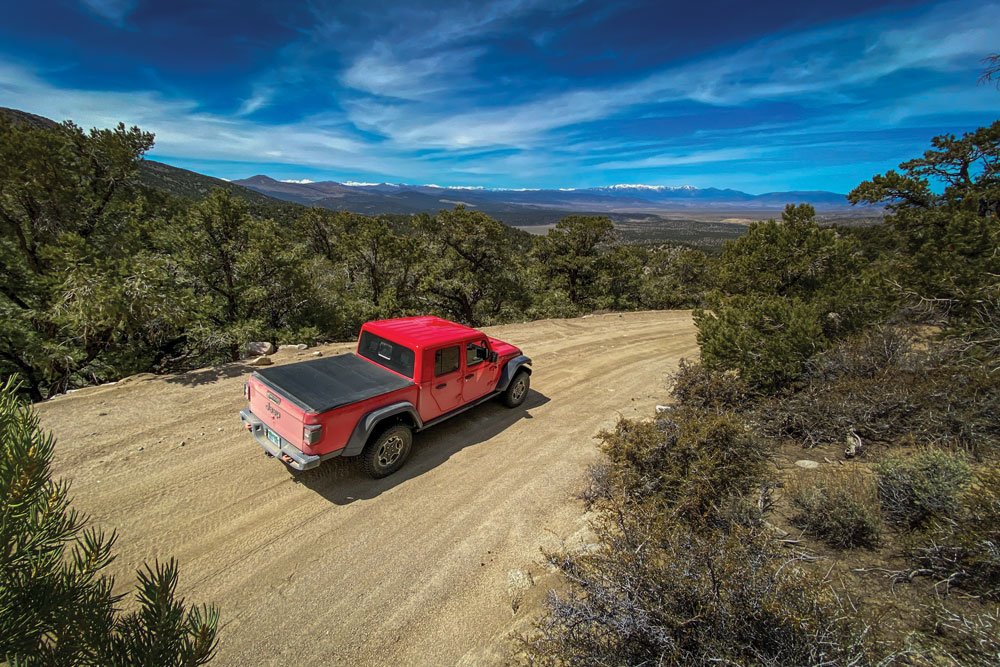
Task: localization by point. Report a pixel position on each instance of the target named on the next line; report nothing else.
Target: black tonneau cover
(319, 385)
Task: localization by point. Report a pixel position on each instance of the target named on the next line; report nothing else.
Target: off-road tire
(387, 451)
(517, 390)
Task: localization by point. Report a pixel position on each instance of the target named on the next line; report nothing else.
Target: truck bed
(319, 385)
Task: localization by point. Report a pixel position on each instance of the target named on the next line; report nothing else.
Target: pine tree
(56, 604)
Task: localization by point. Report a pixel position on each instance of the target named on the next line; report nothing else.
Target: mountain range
(624, 198)
(514, 206)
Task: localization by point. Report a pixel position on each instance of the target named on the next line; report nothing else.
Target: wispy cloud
(503, 93)
(817, 67)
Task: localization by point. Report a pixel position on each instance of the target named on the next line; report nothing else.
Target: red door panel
(480, 374)
(446, 385)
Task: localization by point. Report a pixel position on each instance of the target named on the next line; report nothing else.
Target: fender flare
(367, 425)
(511, 368)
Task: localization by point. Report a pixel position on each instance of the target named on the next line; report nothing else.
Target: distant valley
(375, 198)
(650, 213)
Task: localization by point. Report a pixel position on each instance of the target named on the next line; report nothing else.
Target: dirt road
(333, 567)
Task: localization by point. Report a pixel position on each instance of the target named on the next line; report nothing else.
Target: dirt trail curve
(335, 568)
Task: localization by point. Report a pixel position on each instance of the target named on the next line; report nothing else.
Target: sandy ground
(425, 567)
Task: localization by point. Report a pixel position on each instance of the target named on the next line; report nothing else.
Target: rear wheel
(517, 390)
(387, 452)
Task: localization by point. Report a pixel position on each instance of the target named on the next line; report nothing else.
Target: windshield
(385, 353)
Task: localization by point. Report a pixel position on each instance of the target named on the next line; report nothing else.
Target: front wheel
(517, 390)
(387, 452)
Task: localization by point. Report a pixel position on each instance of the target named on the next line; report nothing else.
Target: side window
(446, 360)
(475, 353)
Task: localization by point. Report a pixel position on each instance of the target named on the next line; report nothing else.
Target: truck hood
(503, 349)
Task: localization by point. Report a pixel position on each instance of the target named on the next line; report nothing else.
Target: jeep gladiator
(406, 375)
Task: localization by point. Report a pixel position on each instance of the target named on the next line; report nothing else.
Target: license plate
(274, 437)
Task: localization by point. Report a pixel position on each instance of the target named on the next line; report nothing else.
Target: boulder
(300, 346)
(260, 347)
(807, 464)
(261, 361)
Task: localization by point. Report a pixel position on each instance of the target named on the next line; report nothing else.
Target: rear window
(446, 360)
(393, 356)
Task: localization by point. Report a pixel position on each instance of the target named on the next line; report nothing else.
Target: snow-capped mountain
(368, 197)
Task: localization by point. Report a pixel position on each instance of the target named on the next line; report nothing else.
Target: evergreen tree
(570, 255)
(56, 606)
(472, 270)
(82, 293)
(246, 275)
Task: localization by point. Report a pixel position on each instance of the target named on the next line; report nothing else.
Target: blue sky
(759, 96)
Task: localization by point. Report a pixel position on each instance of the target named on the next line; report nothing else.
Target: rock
(102, 414)
(220, 429)
(300, 346)
(183, 442)
(317, 353)
(807, 464)
(853, 445)
(660, 409)
(261, 361)
(261, 347)
(141, 448)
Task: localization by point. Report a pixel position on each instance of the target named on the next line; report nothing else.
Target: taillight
(312, 434)
(246, 390)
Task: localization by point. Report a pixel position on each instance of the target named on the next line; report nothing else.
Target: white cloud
(827, 65)
(184, 130)
(298, 181)
(675, 160)
(260, 98)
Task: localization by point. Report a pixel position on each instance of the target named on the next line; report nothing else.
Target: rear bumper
(287, 453)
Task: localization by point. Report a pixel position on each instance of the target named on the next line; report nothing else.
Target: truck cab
(407, 374)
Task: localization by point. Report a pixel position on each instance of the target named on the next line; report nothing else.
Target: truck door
(446, 385)
(480, 373)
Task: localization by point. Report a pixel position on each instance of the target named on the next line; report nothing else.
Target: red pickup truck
(407, 375)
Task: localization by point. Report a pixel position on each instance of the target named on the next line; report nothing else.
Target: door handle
(470, 376)
(442, 385)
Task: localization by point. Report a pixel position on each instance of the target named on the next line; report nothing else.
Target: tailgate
(278, 411)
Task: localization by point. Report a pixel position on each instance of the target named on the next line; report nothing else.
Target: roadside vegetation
(57, 606)
(102, 277)
(825, 488)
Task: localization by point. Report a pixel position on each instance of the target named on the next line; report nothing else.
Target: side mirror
(492, 356)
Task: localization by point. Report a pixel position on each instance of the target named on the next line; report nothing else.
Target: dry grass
(839, 507)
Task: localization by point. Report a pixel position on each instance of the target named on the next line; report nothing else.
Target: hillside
(434, 565)
(159, 176)
(192, 185)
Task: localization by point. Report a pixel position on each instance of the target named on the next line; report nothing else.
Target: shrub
(965, 550)
(766, 339)
(839, 507)
(673, 596)
(696, 386)
(915, 489)
(56, 605)
(886, 387)
(687, 467)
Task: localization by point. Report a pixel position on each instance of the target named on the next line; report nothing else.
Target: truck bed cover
(319, 385)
